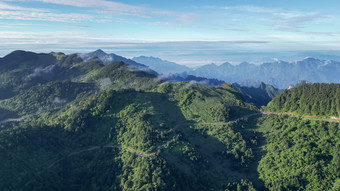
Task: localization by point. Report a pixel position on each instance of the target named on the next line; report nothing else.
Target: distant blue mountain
(280, 74)
(161, 66)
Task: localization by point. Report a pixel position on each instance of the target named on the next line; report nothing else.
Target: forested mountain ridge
(309, 99)
(21, 70)
(92, 126)
(56, 79)
(109, 58)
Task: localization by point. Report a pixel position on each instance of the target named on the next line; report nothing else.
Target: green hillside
(315, 99)
(206, 104)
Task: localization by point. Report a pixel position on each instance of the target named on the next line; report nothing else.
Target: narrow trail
(301, 117)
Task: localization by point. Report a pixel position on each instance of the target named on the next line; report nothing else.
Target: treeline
(316, 99)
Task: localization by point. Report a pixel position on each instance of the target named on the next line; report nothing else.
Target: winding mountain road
(301, 117)
(142, 154)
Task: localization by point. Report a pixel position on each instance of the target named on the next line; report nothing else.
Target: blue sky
(188, 32)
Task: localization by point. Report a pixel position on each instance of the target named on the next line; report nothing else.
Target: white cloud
(13, 38)
(289, 15)
(113, 6)
(280, 20)
(188, 17)
(295, 21)
(23, 13)
(102, 9)
(168, 24)
(5, 6)
(249, 8)
(44, 16)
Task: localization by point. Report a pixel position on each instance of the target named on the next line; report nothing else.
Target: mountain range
(280, 74)
(42, 68)
(23, 70)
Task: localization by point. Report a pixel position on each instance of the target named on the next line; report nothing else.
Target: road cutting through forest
(143, 154)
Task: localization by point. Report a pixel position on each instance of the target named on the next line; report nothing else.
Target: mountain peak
(226, 64)
(99, 51)
(20, 55)
(262, 85)
(310, 59)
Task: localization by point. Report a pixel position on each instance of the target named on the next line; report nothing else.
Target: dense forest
(300, 154)
(90, 126)
(309, 99)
